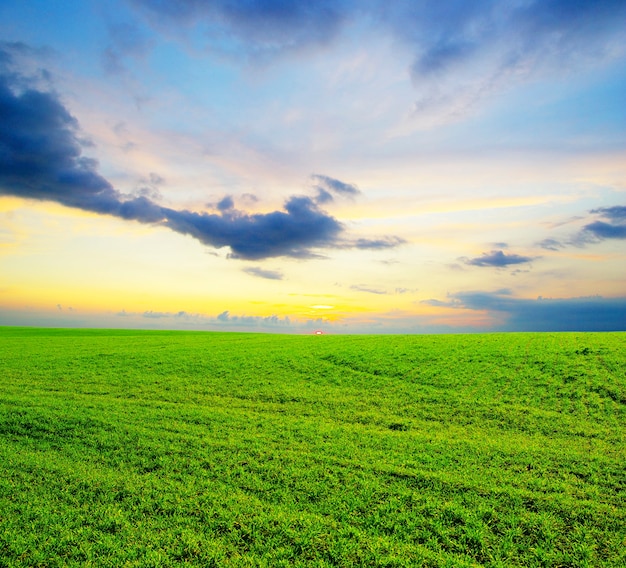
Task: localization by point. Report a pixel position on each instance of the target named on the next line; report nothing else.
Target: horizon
(349, 167)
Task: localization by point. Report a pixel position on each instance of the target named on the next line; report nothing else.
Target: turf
(135, 448)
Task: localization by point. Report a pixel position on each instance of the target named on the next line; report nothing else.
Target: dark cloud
(446, 33)
(443, 32)
(294, 232)
(16, 56)
(480, 300)
(441, 55)
(41, 157)
(498, 259)
(602, 230)
(226, 204)
(616, 213)
(543, 314)
(613, 228)
(260, 27)
(323, 196)
(263, 273)
(575, 20)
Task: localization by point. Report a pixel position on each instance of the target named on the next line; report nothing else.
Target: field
(134, 448)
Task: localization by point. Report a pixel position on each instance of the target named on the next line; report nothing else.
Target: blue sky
(357, 167)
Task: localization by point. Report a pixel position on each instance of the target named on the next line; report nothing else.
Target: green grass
(133, 448)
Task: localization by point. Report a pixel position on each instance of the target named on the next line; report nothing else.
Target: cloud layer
(442, 31)
(461, 51)
(543, 314)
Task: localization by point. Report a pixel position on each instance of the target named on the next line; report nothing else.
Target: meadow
(149, 449)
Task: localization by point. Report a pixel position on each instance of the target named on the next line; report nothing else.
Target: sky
(349, 166)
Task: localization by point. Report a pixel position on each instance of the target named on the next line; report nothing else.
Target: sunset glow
(344, 167)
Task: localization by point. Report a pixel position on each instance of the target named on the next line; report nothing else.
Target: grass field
(134, 448)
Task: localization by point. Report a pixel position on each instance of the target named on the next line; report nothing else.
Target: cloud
(501, 43)
(258, 28)
(442, 32)
(226, 204)
(186, 320)
(380, 291)
(249, 198)
(616, 213)
(381, 243)
(263, 273)
(543, 314)
(294, 232)
(253, 321)
(42, 158)
(358, 288)
(498, 259)
(610, 225)
(149, 187)
(602, 230)
(551, 244)
(326, 186)
(150, 314)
